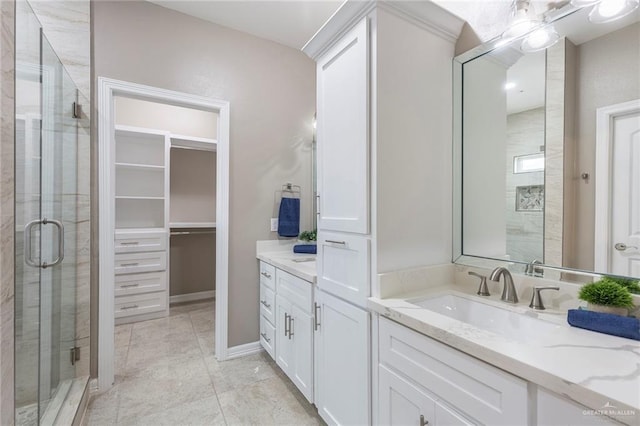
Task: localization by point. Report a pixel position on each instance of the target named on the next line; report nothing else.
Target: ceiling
(289, 22)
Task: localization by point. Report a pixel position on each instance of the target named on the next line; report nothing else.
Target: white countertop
(281, 255)
(590, 368)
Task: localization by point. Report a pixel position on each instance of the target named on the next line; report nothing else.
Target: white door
(342, 362)
(625, 202)
(617, 227)
(343, 133)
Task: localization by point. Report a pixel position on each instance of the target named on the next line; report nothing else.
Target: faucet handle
(482, 289)
(536, 300)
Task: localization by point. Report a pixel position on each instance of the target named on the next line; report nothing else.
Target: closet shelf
(131, 197)
(192, 142)
(182, 225)
(122, 130)
(135, 166)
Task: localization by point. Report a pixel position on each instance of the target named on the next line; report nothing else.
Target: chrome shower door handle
(27, 243)
(60, 228)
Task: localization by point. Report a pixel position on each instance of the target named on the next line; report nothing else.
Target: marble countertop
(590, 368)
(301, 265)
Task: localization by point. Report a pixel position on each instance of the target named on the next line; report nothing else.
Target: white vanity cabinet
(294, 329)
(555, 410)
(419, 376)
(286, 324)
(378, 169)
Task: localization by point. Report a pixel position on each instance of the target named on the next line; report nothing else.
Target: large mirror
(548, 147)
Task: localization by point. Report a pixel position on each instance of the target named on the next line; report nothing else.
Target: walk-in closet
(165, 207)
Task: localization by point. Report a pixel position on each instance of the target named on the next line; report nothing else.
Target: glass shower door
(46, 222)
(57, 243)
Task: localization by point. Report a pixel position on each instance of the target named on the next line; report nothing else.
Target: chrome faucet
(534, 268)
(509, 290)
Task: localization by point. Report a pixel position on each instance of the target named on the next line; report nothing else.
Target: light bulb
(509, 85)
(539, 39)
(610, 10)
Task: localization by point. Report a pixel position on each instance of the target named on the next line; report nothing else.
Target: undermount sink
(513, 325)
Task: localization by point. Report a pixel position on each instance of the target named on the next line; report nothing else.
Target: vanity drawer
(140, 283)
(268, 275)
(267, 303)
(485, 393)
(126, 306)
(132, 242)
(133, 263)
(296, 290)
(343, 266)
(268, 336)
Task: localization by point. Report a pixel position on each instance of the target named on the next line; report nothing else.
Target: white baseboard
(244, 350)
(190, 297)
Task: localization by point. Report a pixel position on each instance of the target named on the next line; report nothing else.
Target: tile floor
(167, 374)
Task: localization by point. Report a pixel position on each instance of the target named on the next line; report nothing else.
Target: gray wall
(271, 89)
(616, 56)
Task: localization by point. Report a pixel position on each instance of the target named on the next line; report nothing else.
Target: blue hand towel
(289, 217)
(615, 325)
(305, 248)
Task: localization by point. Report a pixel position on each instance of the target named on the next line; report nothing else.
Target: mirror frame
(458, 257)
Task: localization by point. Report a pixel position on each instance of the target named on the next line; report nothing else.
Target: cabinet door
(343, 133)
(402, 403)
(284, 356)
(302, 374)
(342, 361)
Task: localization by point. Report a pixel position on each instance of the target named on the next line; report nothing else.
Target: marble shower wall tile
(66, 25)
(7, 167)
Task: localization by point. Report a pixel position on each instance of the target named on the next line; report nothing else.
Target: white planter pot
(608, 309)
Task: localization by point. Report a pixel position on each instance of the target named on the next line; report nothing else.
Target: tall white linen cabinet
(384, 120)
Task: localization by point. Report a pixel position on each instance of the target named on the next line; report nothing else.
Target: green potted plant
(309, 237)
(632, 285)
(608, 296)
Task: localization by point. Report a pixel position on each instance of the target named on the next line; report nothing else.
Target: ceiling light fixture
(523, 21)
(583, 3)
(611, 10)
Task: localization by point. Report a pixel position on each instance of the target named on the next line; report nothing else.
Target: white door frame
(604, 133)
(107, 89)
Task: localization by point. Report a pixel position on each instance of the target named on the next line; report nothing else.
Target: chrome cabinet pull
(423, 422)
(124, 308)
(286, 324)
(265, 274)
(266, 305)
(27, 242)
(129, 285)
(129, 264)
(290, 327)
(342, 243)
(264, 335)
(130, 243)
(316, 323)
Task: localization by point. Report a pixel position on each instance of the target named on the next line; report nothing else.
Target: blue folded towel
(615, 325)
(305, 248)
(289, 217)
